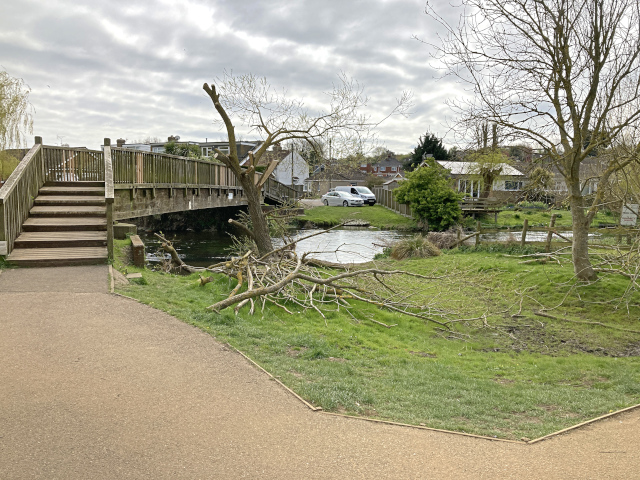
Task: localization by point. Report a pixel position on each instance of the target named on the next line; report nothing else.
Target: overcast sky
(132, 69)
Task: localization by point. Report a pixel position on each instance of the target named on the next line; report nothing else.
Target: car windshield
(364, 190)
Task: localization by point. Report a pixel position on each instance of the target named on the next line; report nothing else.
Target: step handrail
(17, 196)
(109, 194)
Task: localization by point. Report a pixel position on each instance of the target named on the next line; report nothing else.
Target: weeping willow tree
(15, 119)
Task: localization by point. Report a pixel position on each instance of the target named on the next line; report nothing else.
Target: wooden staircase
(66, 226)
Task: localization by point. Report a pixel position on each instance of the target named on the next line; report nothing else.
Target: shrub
(429, 191)
(414, 247)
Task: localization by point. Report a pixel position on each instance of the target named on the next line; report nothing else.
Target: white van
(361, 192)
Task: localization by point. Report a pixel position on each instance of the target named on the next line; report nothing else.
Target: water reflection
(345, 245)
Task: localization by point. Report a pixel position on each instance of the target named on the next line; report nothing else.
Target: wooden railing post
(4, 248)
(552, 224)
(525, 227)
(109, 194)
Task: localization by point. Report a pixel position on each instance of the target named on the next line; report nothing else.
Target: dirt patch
(424, 354)
(504, 381)
(336, 359)
(549, 408)
(560, 340)
(296, 352)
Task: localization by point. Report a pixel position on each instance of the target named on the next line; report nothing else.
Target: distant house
(292, 169)
(390, 166)
(505, 187)
(393, 182)
(590, 171)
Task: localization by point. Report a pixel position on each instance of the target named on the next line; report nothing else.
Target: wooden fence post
(552, 224)
(525, 227)
(478, 228)
(109, 194)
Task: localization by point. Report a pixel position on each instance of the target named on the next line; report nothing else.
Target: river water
(344, 245)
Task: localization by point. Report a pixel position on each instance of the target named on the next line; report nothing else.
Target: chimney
(120, 142)
(277, 148)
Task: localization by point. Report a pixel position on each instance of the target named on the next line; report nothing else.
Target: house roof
(388, 162)
(467, 168)
(394, 179)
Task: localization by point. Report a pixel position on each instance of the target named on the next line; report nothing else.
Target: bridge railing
(64, 164)
(17, 195)
(109, 195)
(279, 191)
(132, 167)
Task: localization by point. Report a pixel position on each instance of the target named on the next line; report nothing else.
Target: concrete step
(64, 224)
(58, 190)
(68, 211)
(61, 239)
(54, 257)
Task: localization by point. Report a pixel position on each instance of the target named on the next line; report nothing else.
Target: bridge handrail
(17, 195)
(72, 164)
(109, 194)
(152, 168)
(139, 167)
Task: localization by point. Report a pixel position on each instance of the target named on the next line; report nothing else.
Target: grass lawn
(377, 216)
(524, 377)
(541, 218)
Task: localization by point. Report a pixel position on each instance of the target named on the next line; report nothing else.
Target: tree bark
(581, 263)
(259, 223)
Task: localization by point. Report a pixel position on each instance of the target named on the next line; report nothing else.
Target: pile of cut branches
(300, 282)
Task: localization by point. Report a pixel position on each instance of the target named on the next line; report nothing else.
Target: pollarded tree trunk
(259, 223)
(581, 263)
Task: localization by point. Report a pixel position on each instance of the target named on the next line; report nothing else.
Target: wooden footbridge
(59, 205)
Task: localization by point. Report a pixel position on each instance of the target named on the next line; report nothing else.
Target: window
(512, 185)
(393, 169)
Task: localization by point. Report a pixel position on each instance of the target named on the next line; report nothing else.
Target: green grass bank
(524, 376)
(377, 216)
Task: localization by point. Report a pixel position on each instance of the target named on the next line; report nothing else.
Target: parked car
(337, 198)
(364, 193)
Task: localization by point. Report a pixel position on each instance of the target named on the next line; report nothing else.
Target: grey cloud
(101, 80)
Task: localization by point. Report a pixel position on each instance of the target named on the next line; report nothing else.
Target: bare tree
(250, 101)
(15, 110)
(563, 75)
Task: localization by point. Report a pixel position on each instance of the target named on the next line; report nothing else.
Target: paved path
(95, 386)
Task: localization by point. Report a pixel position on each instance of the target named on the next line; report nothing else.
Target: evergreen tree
(428, 144)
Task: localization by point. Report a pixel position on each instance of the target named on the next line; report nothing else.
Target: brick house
(389, 167)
